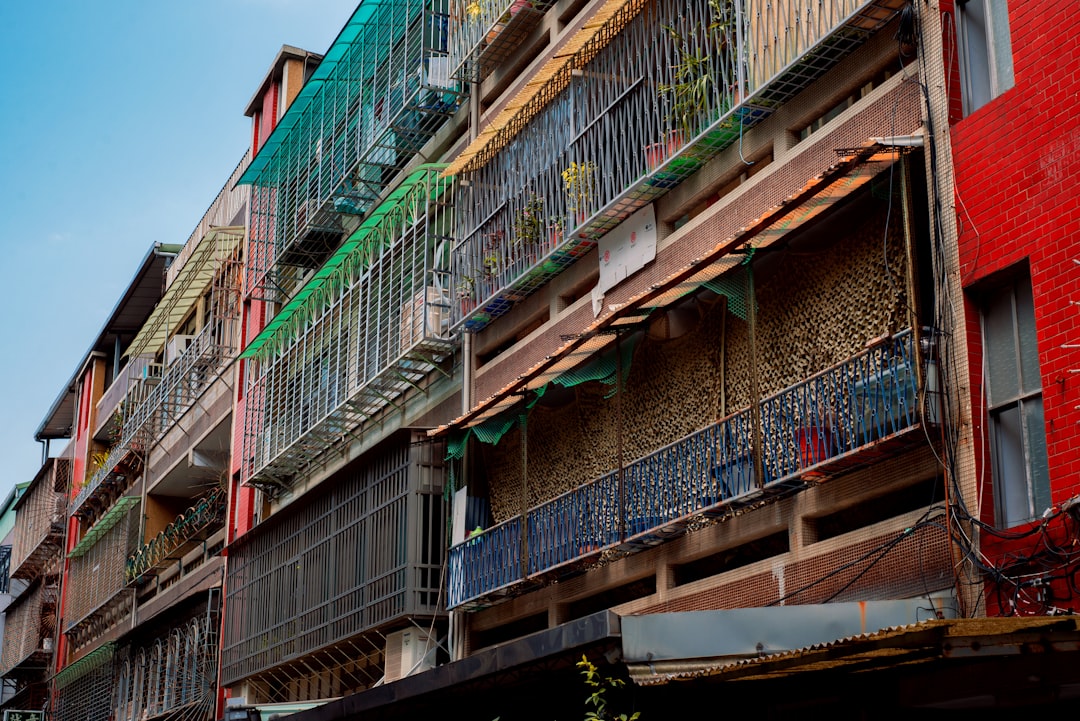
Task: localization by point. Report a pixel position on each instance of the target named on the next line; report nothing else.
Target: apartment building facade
(334, 579)
(1018, 267)
(701, 294)
(124, 530)
(618, 328)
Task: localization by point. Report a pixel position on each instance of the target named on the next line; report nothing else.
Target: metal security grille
(371, 326)
(96, 591)
(387, 91)
(29, 624)
(175, 676)
(39, 527)
(83, 691)
(362, 554)
(613, 127)
(5, 569)
(484, 33)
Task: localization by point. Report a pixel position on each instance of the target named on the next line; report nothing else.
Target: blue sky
(119, 123)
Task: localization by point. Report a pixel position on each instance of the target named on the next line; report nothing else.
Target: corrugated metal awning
(354, 255)
(933, 640)
(191, 282)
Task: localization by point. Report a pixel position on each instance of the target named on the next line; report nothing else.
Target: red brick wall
(1017, 164)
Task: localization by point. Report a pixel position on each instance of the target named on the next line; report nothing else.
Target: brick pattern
(1017, 166)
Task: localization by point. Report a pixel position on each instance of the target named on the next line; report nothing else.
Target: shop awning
(191, 282)
(851, 172)
(355, 254)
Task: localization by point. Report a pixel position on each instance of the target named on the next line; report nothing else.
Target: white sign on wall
(624, 251)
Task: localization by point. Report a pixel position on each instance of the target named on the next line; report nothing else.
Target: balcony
(157, 398)
(485, 33)
(191, 527)
(337, 565)
(175, 675)
(96, 594)
(381, 92)
(837, 420)
(27, 646)
(39, 530)
(613, 129)
(128, 389)
(369, 327)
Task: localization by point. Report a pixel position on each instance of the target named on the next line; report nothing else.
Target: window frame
(996, 69)
(1028, 392)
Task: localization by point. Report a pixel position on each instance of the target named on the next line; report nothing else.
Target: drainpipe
(457, 631)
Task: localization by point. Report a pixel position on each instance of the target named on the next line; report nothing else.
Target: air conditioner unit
(176, 347)
(415, 327)
(407, 652)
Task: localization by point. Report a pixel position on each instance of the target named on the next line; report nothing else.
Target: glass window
(986, 65)
(1014, 399)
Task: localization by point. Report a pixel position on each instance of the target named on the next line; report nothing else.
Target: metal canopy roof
(817, 196)
(125, 320)
(354, 253)
(186, 290)
(311, 88)
(103, 526)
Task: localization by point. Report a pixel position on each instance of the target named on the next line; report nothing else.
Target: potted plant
(465, 291)
(529, 227)
(555, 233)
(693, 74)
(579, 181)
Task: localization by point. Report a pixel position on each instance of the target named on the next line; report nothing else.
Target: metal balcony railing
(182, 383)
(616, 128)
(198, 521)
(129, 388)
(381, 92)
(823, 421)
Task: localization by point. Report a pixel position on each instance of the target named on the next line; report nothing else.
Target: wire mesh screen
(373, 330)
(39, 524)
(96, 578)
(84, 690)
(29, 623)
(359, 555)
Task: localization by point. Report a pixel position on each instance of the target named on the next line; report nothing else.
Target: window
(986, 66)
(1014, 404)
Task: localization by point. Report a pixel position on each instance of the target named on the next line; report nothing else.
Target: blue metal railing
(838, 411)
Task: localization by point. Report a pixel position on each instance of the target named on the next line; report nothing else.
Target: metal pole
(755, 388)
(619, 435)
(524, 490)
